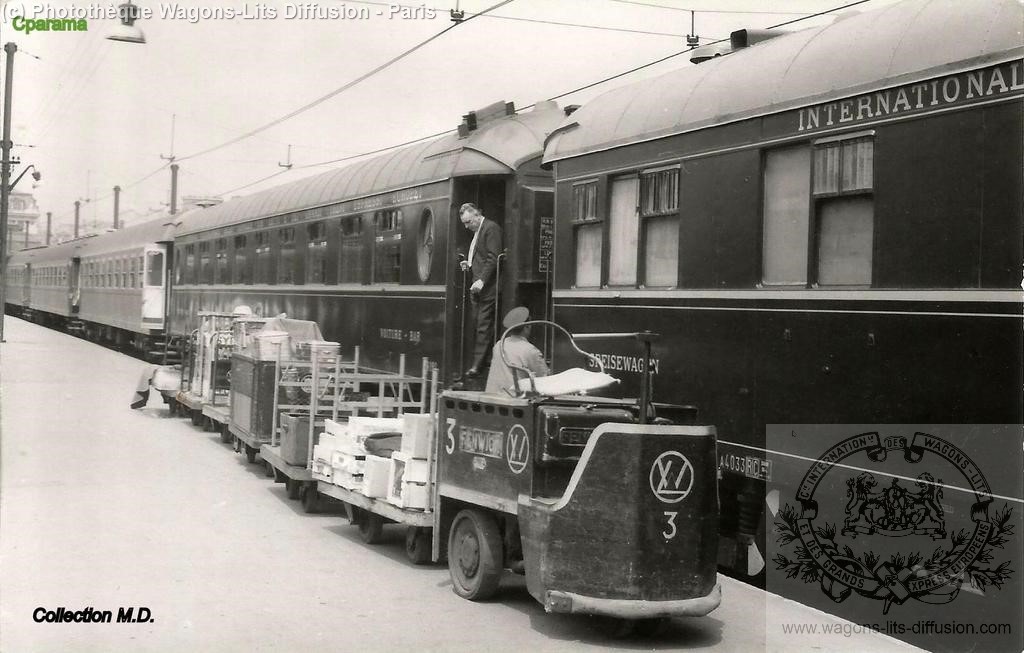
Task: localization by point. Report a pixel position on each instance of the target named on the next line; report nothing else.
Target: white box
(360, 427)
(328, 443)
(415, 496)
(408, 469)
(335, 428)
(375, 476)
(347, 462)
(348, 481)
(322, 471)
(417, 434)
(321, 454)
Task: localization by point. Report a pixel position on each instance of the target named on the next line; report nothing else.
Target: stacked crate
(347, 454)
(408, 483)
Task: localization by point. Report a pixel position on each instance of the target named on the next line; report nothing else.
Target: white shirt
(472, 245)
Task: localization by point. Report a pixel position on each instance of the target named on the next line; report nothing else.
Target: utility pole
(117, 206)
(78, 205)
(49, 216)
(5, 180)
(174, 188)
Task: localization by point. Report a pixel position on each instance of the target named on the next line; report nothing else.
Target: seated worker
(518, 351)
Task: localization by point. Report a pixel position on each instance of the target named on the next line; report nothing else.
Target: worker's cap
(515, 317)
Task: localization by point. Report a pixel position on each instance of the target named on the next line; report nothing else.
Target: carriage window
(316, 260)
(622, 232)
(240, 271)
(425, 245)
(844, 208)
(787, 181)
(659, 192)
(588, 256)
(661, 251)
(154, 268)
(387, 251)
(659, 208)
(845, 237)
(263, 257)
(205, 264)
(190, 264)
(221, 273)
(584, 198)
(286, 260)
(589, 235)
(351, 259)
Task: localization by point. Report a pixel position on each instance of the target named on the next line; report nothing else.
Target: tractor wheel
(475, 558)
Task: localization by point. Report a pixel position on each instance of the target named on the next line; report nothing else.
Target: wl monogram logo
(671, 477)
(517, 449)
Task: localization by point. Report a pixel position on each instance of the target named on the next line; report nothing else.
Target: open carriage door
(489, 194)
(74, 286)
(154, 286)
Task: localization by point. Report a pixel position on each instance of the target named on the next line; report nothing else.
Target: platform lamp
(127, 32)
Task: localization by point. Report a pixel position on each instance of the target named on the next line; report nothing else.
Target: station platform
(107, 508)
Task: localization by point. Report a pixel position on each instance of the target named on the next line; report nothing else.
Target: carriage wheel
(417, 545)
(311, 500)
(371, 527)
(475, 555)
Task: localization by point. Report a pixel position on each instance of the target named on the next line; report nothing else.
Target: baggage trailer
(204, 392)
(370, 515)
(299, 415)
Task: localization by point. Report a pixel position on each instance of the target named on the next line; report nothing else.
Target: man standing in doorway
(482, 261)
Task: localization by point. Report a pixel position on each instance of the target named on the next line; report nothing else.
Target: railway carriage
(110, 287)
(826, 226)
(38, 284)
(370, 251)
(120, 282)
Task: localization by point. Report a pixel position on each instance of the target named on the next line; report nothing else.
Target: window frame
(644, 218)
(818, 199)
(595, 221)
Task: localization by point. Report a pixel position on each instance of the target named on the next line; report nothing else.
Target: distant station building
(22, 214)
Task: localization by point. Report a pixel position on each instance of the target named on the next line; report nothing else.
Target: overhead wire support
(561, 95)
(323, 98)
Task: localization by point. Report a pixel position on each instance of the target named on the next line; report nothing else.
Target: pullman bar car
(110, 288)
(827, 227)
(371, 251)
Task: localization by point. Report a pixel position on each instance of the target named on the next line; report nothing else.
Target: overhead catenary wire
(435, 135)
(342, 88)
(709, 11)
(527, 20)
(561, 95)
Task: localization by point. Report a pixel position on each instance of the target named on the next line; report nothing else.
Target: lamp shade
(127, 34)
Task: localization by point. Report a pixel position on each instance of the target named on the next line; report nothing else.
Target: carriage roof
(497, 147)
(898, 44)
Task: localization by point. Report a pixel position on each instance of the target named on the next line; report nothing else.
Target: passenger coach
(370, 251)
(111, 287)
(826, 227)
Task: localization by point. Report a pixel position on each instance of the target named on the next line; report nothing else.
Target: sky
(91, 113)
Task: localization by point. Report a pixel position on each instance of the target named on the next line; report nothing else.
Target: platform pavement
(104, 506)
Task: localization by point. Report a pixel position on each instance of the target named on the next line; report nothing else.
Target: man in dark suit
(483, 262)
